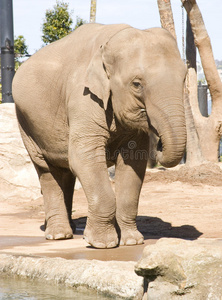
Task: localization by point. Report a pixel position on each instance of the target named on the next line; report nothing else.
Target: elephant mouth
(160, 146)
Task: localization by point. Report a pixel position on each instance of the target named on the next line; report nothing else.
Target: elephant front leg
(100, 231)
(130, 171)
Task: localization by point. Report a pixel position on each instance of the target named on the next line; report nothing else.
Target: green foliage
(79, 22)
(20, 49)
(58, 22)
(20, 46)
(202, 81)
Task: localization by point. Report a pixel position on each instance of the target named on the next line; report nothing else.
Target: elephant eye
(137, 86)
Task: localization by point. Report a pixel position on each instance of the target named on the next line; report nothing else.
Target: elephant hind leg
(68, 183)
(57, 188)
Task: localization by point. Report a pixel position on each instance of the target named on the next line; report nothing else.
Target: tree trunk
(209, 129)
(194, 153)
(203, 134)
(93, 11)
(166, 16)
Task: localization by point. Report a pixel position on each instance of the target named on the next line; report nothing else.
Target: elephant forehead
(155, 37)
(137, 46)
(136, 61)
(141, 53)
(127, 44)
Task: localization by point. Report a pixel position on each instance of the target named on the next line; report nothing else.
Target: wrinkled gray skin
(90, 100)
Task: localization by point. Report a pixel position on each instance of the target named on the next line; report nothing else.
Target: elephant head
(143, 73)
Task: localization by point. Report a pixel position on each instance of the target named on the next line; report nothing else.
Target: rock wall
(18, 177)
(114, 278)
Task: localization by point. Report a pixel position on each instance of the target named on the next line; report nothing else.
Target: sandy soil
(181, 202)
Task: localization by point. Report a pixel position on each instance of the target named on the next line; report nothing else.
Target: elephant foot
(130, 237)
(60, 231)
(98, 238)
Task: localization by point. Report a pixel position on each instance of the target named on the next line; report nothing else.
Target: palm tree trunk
(93, 11)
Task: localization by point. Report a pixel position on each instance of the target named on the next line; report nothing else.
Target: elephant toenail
(49, 237)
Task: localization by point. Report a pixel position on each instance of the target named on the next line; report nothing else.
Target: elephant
(91, 100)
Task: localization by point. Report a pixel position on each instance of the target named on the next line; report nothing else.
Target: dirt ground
(181, 202)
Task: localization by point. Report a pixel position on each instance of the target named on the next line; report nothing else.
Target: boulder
(18, 177)
(179, 269)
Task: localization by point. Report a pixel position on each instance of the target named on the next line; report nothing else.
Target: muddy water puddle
(38, 246)
(14, 288)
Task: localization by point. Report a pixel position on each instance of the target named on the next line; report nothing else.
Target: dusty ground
(182, 202)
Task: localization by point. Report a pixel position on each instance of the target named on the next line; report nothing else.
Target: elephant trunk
(169, 124)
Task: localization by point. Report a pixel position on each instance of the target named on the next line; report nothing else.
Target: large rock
(18, 177)
(178, 269)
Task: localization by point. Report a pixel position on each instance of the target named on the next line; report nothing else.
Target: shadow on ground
(152, 227)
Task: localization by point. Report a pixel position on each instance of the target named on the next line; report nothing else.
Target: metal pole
(7, 49)
(202, 99)
(190, 47)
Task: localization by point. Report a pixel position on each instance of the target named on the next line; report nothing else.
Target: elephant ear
(96, 79)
